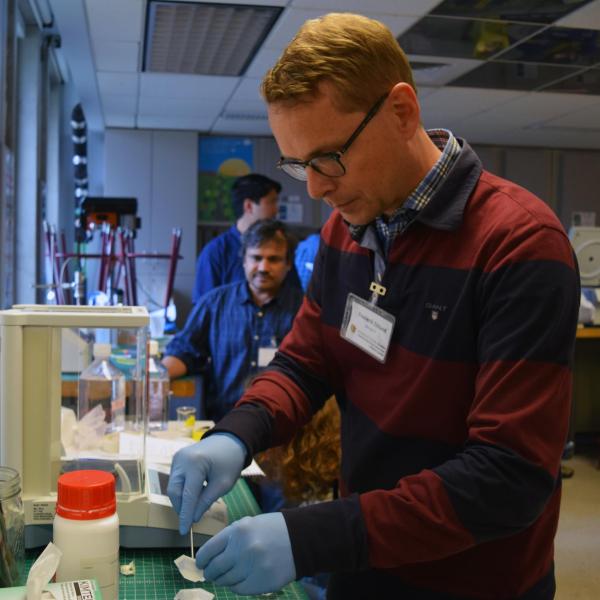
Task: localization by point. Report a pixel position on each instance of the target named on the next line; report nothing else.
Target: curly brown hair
(308, 466)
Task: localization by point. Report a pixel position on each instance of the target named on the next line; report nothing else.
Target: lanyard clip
(377, 288)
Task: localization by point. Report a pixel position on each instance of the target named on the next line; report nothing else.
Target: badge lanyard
(365, 325)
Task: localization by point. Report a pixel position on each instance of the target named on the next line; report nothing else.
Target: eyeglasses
(328, 164)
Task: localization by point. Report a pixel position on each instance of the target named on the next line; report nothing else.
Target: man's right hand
(217, 461)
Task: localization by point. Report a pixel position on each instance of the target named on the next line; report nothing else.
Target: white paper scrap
(128, 569)
(188, 569)
(253, 470)
(194, 594)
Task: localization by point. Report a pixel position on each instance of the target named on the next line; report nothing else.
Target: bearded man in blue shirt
(235, 329)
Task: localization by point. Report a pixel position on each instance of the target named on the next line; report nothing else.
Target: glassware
(186, 419)
(12, 529)
(102, 383)
(158, 392)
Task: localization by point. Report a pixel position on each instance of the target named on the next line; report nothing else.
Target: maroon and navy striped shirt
(451, 449)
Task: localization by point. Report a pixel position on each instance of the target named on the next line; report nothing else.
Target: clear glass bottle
(12, 529)
(103, 383)
(158, 392)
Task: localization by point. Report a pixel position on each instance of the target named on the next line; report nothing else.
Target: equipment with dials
(40, 443)
(586, 243)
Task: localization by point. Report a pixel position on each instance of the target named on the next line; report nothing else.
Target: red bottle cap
(86, 495)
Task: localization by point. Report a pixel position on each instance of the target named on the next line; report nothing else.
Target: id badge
(265, 356)
(367, 327)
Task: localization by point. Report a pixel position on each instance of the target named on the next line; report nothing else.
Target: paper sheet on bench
(161, 450)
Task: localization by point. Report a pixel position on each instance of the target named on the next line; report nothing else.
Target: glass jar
(12, 529)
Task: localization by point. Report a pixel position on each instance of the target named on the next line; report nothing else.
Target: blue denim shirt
(219, 263)
(306, 253)
(222, 337)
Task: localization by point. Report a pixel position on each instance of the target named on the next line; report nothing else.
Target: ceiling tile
(513, 76)
(173, 122)
(393, 7)
(433, 70)
(587, 16)
(116, 56)
(519, 115)
(115, 20)
(559, 45)
(241, 127)
(119, 120)
(585, 82)
(249, 90)
(182, 86)
(463, 38)
(529, 11)
(118, 83)
(179, 107)
(265, 58)
(287, 26)
(448, 105)
(582, 118)
(119, 103)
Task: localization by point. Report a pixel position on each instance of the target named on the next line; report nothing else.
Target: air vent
(204, 39)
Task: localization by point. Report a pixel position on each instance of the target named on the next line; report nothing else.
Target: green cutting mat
(157, 578)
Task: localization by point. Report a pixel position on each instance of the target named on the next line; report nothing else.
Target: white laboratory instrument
(43, 350)
(586, 243)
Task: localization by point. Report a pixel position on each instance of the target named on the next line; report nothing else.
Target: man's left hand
(251, 556)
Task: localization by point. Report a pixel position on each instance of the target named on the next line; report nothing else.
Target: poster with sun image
(221, 160)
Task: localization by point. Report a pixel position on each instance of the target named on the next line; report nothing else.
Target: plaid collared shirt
(388, 228)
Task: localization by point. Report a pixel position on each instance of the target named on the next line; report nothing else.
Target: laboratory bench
(156, 576)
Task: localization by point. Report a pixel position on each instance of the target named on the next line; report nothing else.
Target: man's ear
(405, 107)
(248, 205)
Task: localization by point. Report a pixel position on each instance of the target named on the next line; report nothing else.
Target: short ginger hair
(359, 56)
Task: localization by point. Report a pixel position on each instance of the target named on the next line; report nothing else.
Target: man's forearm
(174, 366)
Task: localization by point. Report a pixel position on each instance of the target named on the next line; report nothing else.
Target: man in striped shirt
(441, 313)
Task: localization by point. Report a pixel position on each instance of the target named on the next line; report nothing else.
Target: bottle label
(43, 512)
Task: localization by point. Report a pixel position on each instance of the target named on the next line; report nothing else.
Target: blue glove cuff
(236, 439)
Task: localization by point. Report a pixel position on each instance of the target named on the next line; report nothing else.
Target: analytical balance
(43, 351)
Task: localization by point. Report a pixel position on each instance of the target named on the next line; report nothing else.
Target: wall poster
(220, 161)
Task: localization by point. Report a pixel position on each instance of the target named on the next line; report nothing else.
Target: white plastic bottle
(158, 393)
(86, 530)
(103, 383)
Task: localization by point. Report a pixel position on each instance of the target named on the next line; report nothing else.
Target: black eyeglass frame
(335, 156)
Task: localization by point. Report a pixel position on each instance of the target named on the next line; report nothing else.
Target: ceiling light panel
(463, 38)
(514, 76)
(525, 11)
(584, 82)
(205, 38)
(559, 45)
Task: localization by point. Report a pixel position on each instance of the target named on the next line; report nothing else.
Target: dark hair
(265, 230)
(252, 187)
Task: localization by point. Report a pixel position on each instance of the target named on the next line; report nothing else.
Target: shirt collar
(245, 295)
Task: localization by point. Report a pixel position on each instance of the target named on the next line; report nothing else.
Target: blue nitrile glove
(251, 556)
(218, 460)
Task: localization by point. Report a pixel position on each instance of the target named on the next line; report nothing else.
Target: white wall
(160, 169)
